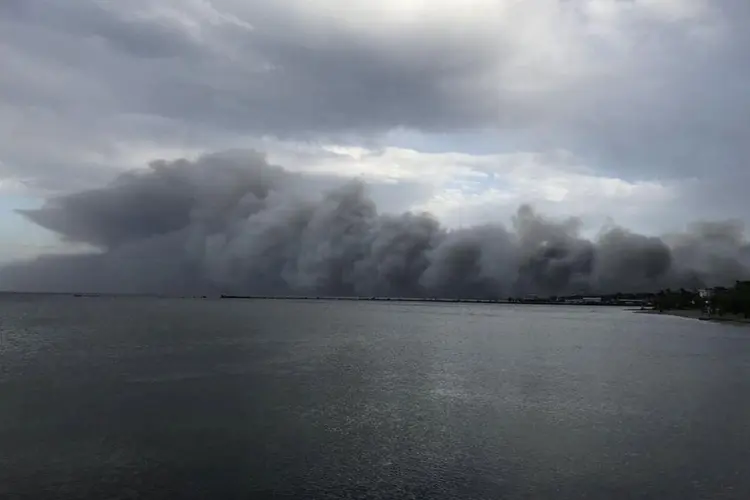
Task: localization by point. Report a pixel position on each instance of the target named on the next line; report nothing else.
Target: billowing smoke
(229, 224)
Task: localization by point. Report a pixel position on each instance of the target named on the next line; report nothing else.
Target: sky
(632, 112)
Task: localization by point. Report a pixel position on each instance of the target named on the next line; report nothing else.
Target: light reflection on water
(162, 398)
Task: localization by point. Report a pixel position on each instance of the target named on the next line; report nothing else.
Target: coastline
(731, 319)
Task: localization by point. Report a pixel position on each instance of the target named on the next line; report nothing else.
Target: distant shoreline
(699, 315)
(431, 299)
(577, 302)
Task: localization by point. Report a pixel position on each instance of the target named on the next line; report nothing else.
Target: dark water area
(164, 399)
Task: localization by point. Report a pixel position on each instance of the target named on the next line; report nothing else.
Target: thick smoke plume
(238, 225)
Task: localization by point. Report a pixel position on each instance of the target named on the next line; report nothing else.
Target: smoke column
(229, 224)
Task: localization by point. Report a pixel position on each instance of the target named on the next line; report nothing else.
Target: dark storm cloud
(282, 76)
(91, 19)
(233, 223)
(296, 73)
(85, 76)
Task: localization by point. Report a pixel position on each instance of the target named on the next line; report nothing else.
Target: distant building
(592, 300)
(706, 293)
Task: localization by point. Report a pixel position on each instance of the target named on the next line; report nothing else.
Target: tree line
(718, 301)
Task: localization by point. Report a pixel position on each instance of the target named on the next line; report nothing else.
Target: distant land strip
(593, 301)
(613, 300)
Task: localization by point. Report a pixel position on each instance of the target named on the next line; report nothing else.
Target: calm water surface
(145, 398)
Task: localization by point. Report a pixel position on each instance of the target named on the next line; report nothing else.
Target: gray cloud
(281, 77)
(235, 224)
(633, 89)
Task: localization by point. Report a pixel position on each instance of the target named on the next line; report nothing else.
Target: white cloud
(465, 189)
